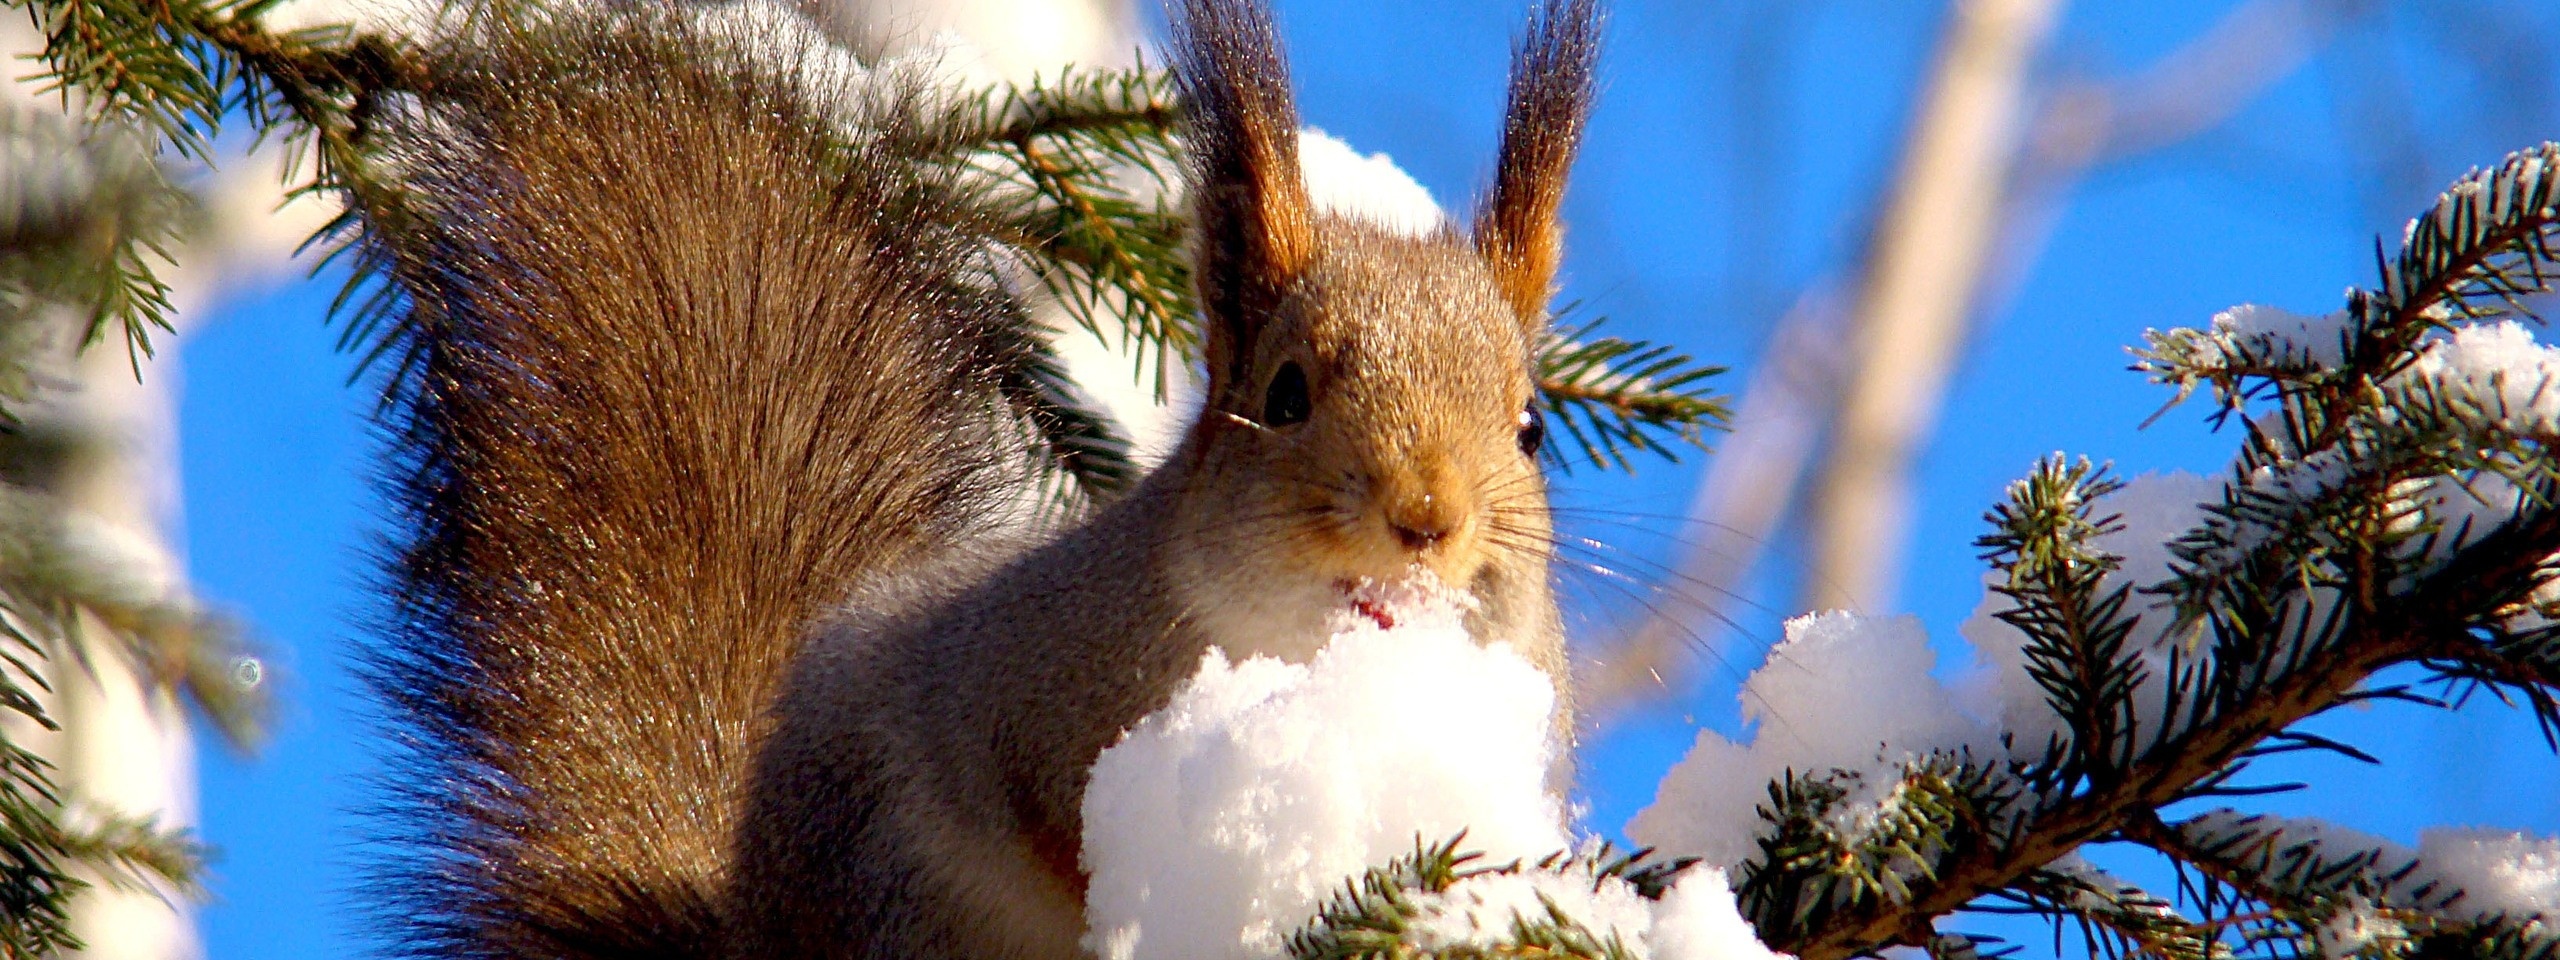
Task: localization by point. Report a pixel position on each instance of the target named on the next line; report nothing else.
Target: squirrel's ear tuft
(1551, 82)
(1256, 229)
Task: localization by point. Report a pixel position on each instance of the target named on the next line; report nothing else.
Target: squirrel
(712, 632)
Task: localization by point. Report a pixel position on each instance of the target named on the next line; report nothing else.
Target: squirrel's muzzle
(1421, 510)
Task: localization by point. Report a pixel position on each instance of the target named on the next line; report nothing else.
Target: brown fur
(1551, 85)
(688, 384)
(1256, 228)
(682, 381)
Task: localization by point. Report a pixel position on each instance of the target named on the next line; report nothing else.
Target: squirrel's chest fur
(932, 744)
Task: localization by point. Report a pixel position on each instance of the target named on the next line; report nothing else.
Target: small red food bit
(1375, 611)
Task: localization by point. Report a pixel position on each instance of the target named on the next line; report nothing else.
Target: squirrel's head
(1370, 404)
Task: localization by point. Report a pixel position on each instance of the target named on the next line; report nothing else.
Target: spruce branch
(57, 565)
(1384, 913)
(54, 569)
(1618, 397)
(2076, 626)
(49, 853)
(82, 228)
(2346, 542)
(2319, 891)
(2246, 703)
(2115, 918)
(1084, 460)
(169, 70)
(1090, 155)
(1085, 160)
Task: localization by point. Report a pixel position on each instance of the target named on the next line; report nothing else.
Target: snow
(2271, 332)
(2501, 872)
(1840, 691)
(2501, 365)
(1698, 920)
(1219, 824)
(1372, 188)
(1482, 909)
(776, 37)
(2355, 929)
(405, 19)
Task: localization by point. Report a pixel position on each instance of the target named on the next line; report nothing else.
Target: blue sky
(2275, 207)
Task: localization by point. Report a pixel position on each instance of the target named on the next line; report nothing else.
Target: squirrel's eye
(1286, 401)
(1533, 428)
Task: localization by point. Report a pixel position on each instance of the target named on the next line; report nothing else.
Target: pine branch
(1822, 861)
(133, 853)
(50, 574)
(1084, 461)
(1083, 165)
(43, 860)
(1091, 157)
(2485, 244)
(57, 565)
(1618, 397)
(2281, 691)
(169, 70)
(69, 592)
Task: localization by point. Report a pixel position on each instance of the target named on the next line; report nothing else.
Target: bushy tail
(690, 350)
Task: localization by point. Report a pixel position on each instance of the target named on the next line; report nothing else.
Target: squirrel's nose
(1421, 521)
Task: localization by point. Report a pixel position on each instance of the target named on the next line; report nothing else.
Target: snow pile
(2500, 365)
(1372, 188)
(1698, 920)
(403, 19)
(1481, 909)
(1220, 824)
(1840, 691)
(2501, 872)
(778, 38)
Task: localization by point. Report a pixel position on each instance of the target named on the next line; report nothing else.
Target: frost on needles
(2140, 643)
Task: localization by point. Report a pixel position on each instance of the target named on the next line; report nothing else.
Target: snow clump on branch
(1841, 691)
(1862, 695)
(2502, 367)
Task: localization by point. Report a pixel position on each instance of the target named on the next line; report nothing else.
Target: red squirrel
(711, 638)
